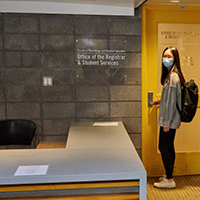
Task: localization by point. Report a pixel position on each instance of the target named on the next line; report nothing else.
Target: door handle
(150, 99)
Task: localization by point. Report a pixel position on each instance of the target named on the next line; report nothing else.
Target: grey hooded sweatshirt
(171, 93)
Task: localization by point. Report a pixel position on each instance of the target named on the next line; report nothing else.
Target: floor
(187, 188)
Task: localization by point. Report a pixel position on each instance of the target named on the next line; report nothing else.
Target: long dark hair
(176, 67)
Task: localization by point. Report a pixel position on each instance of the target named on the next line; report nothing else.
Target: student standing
(169, 118)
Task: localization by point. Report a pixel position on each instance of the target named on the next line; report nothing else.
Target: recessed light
(174, 1)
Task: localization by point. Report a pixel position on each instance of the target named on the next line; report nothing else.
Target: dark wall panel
(36, 45)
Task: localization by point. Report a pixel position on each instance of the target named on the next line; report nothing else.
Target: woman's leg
(166, 147)
(172, 149)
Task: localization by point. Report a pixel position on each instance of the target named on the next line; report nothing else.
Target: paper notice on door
(105, 124)
(31, 170)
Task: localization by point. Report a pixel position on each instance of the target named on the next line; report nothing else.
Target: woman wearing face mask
(169, 118)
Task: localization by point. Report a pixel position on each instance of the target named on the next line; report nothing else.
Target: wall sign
(103, 57)
(95, 54)
(186, 38)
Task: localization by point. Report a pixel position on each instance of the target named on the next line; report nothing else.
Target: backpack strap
(178, 108)
(182, 92)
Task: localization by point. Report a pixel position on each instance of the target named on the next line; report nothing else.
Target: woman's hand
(166, 128)
(156, 102)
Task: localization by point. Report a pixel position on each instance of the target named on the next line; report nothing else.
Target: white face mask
(167, 62)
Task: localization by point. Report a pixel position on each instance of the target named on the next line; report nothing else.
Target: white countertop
(84, 135)
(91, 154)
(71, 165)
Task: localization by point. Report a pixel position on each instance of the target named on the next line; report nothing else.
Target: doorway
(157, 23)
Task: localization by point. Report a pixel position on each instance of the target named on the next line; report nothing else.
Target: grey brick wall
(37, 45)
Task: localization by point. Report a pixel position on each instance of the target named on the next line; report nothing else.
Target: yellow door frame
(152, 15)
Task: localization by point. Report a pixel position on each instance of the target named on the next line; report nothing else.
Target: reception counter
(96, 156)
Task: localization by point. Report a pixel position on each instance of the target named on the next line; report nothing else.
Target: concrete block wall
(36, 45)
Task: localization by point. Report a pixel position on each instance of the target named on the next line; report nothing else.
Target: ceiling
(88, 7)
(135, 3)
(173, 2)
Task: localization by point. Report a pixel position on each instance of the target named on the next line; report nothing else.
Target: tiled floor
(187, 188)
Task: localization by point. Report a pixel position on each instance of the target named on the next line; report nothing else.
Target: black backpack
(189, 95)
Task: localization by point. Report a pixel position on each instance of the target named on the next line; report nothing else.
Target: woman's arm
(166, 128)
(170, 101)
(156, 102)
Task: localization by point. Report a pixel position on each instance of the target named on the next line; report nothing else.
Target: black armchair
(17, 132)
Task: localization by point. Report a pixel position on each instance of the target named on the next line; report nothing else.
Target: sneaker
(162, 177)
(166, 184)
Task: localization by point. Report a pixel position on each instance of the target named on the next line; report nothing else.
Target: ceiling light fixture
(174, 1)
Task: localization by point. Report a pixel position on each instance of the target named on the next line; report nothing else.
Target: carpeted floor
(187, 188)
